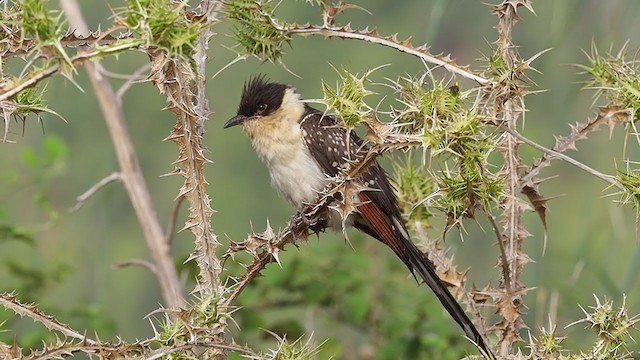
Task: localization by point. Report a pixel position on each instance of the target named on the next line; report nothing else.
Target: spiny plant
(164, 24)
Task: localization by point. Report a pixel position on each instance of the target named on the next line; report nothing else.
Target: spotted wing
(333, 147)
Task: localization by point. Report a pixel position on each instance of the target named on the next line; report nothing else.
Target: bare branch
(171, 225)
(135, 262)
(607, 115)
(114, 176)
(132, 79)
(552, 154)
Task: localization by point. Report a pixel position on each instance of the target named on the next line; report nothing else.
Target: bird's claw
(315, 223)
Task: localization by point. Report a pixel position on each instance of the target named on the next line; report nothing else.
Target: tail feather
(423, 266)
(391, 231)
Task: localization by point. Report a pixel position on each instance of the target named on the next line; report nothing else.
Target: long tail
(393, 233)
(425, 268)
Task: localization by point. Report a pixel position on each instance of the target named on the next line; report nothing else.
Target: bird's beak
(236, 120)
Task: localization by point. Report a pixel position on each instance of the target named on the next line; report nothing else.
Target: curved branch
(372, 37)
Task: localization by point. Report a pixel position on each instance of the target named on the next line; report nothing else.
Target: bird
(304, 148)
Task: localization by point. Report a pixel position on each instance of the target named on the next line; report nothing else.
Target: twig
(32, 81)
(94, 189)
(608, 113)
(132, 177)
(133, 78)
(171, 226)
(70, 40)
(496, 230)
(135, 262)
(53, 69)
(554, 154)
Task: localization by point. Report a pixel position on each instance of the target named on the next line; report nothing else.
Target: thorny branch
(178, 81)
(9, 301)
(145, 349)
(509, 297)
(391, 42)
(550, 154)
(72, 40)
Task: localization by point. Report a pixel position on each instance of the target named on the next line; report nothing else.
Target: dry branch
(508, 108)
(132, 177)
(390, 41)
(9, 301)
(81, 199)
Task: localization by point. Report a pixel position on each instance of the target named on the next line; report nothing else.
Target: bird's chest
(293, 170)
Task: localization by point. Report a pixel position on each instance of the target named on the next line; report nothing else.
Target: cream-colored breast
(278, 142)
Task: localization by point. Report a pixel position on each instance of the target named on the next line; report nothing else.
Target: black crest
(260, 97)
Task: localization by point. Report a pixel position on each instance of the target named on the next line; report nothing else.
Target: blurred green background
(361, 299)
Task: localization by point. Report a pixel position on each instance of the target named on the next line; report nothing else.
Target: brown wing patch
(377, 221)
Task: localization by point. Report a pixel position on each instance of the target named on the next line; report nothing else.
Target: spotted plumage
(303, 148)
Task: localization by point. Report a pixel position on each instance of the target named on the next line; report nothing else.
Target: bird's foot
(315, 223)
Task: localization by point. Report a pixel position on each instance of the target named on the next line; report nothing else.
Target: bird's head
(266, 102)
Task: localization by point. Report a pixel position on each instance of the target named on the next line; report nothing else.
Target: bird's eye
(261, 109)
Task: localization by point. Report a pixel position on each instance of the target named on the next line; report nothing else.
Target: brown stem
(171, 226)
(508, 107)
(9, 301)
(114, 176)
(132, 177)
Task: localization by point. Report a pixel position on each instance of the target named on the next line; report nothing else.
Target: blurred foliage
(360, 299)
(352, 296)
(23, 271)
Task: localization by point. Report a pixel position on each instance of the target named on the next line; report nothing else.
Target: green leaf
(55, 148)
(8, 232)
